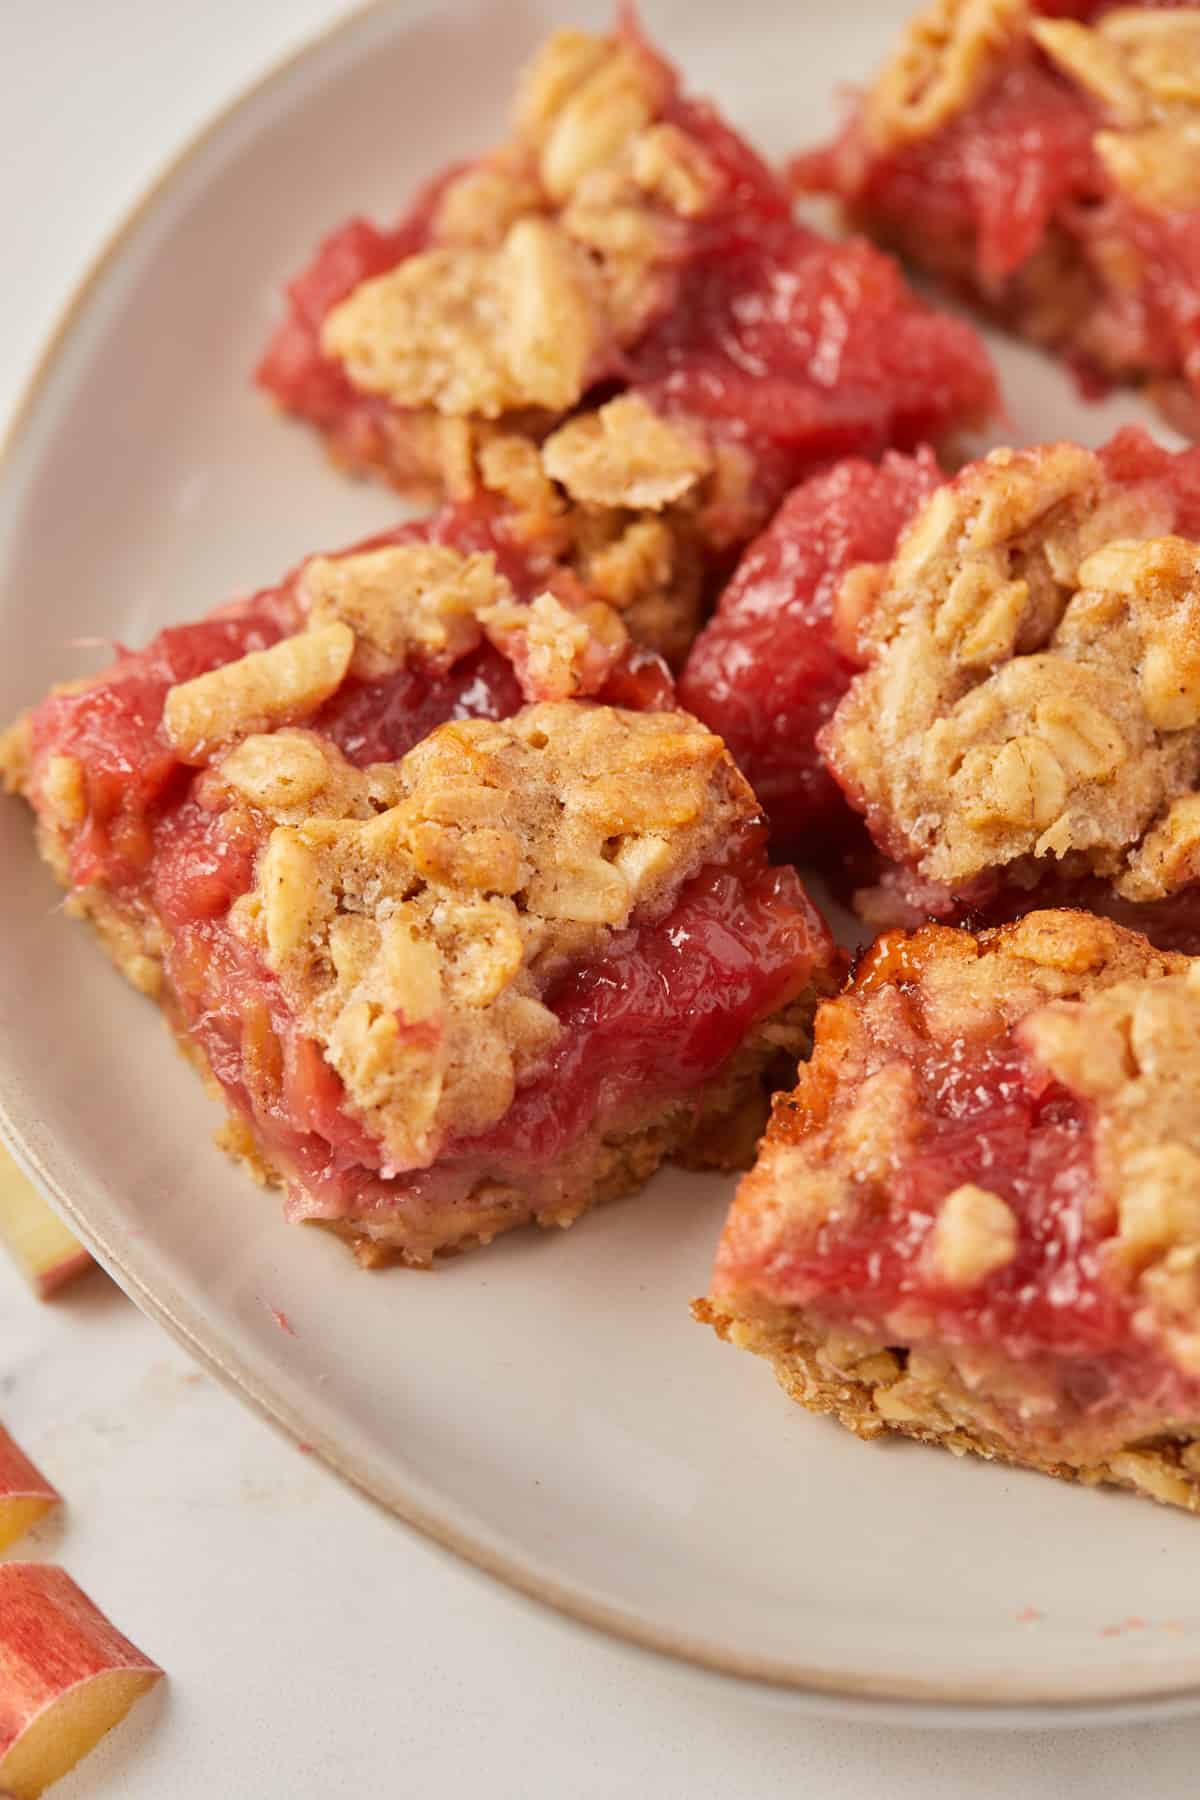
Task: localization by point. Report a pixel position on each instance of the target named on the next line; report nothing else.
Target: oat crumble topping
(369, 613)
(548, 252)
(417, 914)
(1035, 688)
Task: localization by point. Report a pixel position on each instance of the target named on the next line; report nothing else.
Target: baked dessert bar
(782, 646)
(1028, 722)
(1048, 166)
(496, 978)
(617, 300)
(976, 1222)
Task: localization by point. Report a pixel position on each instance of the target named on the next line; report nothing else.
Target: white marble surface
(314, 1647)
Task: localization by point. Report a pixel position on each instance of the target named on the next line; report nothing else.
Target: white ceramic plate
(546, 1407)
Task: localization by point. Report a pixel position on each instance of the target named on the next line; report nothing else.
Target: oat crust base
(945, 1414)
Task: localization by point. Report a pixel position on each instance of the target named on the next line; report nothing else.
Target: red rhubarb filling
(803, 350)
(771, 665)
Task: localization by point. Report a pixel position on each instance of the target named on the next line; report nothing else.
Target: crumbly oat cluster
(1023, 1294)
(416, 915)
(949, 52)
(372, 612)
(1033, 698)
(632, 503)
(548, 256)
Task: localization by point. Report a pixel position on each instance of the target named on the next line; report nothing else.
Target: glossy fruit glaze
(765, 333)
(769, 668)
(1016, 173)
(803, 350)
(981, 1111)
(113, 725)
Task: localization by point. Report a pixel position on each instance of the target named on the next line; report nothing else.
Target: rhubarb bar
(616, 300)
(976, 1222)
(1027, 725)
(454, 963)
(1049, 168)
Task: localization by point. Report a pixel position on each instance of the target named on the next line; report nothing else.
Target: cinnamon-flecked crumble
(1031, 704)
(416, 944)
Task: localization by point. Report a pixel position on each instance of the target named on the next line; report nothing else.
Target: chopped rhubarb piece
(771, 665)
(1046, 166)
(67, 1677)
(977, 1219)
(614, 319)
(38, 1241)
(1028, 722)
(25, 1494)
(494, 980)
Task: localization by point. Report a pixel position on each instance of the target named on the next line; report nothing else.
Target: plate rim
(814, 1688)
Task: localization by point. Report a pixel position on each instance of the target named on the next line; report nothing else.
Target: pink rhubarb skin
(67, 1676)
(25, 1494)
(766, 336)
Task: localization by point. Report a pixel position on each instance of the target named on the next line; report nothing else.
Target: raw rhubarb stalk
(67, 1676)
(38, 1241)
(25, 1494)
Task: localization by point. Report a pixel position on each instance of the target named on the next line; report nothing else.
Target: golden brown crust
(1034, 693)
(875, 1390)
